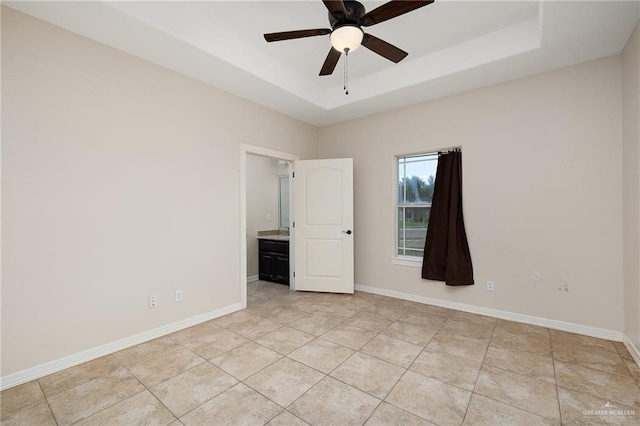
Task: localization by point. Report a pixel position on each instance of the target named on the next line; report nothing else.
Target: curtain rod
(448, 150)
(434, 152)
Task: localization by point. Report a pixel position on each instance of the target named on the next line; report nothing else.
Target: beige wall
(542, 192)
(631, 184)
(120, 181)
(262, 200)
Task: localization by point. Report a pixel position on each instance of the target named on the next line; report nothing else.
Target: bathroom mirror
(283, 191)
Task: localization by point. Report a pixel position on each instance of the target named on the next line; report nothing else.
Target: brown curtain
(446, 250)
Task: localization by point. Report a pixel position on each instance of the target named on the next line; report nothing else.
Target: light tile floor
(326, 359)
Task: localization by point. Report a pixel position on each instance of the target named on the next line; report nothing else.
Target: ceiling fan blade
(331, 62)
(290, 35)
(383, 48)
(391, 10)
(336, 8)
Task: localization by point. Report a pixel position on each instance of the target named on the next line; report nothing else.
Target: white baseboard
(633, 349)
(495, 313)
(252, 278)
(14, 379)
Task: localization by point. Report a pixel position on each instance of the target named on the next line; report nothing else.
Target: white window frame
(398, 259)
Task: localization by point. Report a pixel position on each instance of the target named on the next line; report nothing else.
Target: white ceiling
(453, 46)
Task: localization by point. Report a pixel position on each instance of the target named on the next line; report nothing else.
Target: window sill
(414, 262)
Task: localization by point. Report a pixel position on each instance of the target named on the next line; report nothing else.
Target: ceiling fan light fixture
(346, 37)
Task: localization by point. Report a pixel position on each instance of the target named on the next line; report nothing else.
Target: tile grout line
(529, 377)
(44, 395)
(105, 408)
(149, 390)
(555, 374)
(578, 364)
(566, 388)
(512, 372)
(517, 408)
(473, 392)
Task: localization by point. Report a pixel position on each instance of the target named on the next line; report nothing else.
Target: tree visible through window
(416, 178)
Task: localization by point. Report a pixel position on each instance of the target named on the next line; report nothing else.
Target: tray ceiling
(453, 46)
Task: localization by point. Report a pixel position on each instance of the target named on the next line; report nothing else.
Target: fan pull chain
(346, 71)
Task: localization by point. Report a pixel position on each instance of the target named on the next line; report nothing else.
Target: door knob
(348, 232)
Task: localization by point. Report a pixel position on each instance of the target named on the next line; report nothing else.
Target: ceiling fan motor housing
(355, 11)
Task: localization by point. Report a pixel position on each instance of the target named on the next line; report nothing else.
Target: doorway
(246, 150)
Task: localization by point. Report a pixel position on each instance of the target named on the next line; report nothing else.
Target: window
(416, 178)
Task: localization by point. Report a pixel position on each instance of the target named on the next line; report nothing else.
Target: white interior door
(323, 193)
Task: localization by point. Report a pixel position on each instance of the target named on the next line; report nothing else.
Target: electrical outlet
(178, 295)
(490, 285)
(153, 302)
(269, 217)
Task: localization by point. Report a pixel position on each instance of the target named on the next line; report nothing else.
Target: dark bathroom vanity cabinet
(273, 255)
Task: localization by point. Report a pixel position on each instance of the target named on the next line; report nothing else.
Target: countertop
(274, 237)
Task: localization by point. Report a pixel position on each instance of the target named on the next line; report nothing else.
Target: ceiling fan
(347, 19)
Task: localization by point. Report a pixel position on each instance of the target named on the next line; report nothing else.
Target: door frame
(246, 149)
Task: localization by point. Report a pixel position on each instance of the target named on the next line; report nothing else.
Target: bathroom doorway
(271, 211)
(267, 219)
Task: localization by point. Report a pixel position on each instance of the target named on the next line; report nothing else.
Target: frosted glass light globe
(346, 37)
